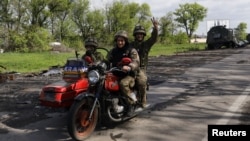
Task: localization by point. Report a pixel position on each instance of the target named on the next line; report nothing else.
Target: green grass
(32, 62)
(159, 49)
(37, 62)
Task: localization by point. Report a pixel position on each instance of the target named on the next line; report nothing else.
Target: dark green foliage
(38, 40)
(30, 25)
(17, 42)
(34, 40)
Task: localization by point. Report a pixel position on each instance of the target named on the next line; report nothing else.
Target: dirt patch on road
(19, 104)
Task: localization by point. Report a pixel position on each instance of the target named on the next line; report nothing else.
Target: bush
(33, 40)
(38, 39)
(181, 38)
(17, 42)
(76, 44)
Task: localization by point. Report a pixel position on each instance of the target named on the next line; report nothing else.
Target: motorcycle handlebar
(118, 71)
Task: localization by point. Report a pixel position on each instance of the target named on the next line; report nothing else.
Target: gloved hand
(88, 59)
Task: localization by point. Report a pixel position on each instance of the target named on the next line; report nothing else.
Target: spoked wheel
(80, 126)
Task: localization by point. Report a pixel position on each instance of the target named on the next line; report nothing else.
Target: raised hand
(154, 22)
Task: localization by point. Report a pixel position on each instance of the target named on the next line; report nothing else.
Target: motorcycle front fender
(84, 95)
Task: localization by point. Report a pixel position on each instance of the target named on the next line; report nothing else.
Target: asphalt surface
(185, 82)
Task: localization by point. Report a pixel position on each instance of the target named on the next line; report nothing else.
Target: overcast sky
(234, 12)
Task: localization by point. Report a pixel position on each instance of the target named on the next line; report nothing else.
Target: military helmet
(121, 33)
(139, 29)
(91, 41)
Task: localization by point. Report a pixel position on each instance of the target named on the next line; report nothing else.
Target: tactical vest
(117, 54)
(143, 53)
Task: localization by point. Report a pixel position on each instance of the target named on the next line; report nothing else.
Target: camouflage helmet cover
(121, 33)
(139, 29)
(91, 41)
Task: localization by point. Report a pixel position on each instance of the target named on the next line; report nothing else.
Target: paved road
(182, 107)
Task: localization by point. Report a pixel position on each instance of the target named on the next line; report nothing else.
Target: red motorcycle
(74, 81)
(102, 103)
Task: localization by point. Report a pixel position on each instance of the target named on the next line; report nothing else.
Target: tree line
(29, 25)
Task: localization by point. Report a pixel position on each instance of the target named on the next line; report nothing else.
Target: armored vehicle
(220, 36)
(248, 37)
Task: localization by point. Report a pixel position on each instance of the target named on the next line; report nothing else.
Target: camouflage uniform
(115, 56)
(92, 53)
(143, 48)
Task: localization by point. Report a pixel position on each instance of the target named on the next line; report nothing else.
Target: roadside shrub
(181, 38)
(17, 42)
(76, 44)
(33, 40)
(38, 39)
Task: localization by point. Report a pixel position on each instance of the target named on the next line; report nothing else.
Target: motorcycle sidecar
(74, 81)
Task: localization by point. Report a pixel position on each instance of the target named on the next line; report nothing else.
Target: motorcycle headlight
(93, 77)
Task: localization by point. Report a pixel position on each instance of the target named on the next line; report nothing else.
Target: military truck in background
(248, 37)
(221, 37)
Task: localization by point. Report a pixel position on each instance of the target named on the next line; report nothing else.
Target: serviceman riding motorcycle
(143, 48)
(92, 55)
(121, 50)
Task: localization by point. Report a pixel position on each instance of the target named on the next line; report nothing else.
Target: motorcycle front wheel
(80, 126)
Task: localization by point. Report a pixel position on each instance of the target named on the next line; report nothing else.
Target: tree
(241, 31)
(24, 24)
(6, 21)
(167, 27)
(19, 14)
(80, 9)
(189, 16)
(144, 13)
(96, 20)
(39, 12)
(59, 13)
(144, 16)
(6, 14)
(121, 15)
